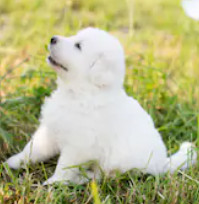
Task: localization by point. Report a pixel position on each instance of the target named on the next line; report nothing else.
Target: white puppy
(90, 117)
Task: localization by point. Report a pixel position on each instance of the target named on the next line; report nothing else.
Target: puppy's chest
(69, 115)
(74, 122)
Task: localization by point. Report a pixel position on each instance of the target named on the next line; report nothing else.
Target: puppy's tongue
(56, 68)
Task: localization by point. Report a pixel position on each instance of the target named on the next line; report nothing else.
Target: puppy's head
(92, 56)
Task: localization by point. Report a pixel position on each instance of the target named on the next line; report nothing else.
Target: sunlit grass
(162, 49)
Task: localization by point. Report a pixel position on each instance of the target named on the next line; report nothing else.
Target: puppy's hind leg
(40, 148)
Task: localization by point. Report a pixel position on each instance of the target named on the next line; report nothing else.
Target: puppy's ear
(101, 71)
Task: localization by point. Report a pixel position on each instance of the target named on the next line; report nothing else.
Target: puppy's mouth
(56, 64)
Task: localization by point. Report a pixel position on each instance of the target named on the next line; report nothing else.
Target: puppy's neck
(84, 88)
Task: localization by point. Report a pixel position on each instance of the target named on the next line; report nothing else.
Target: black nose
(53, 40)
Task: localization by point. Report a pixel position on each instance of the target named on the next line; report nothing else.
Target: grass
(162, 47)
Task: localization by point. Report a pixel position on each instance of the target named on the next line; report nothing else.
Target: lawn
(162, 69)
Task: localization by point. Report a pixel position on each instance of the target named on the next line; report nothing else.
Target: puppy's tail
(184, 158)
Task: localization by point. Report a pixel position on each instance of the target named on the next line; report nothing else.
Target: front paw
(15, 161)
(53, 180)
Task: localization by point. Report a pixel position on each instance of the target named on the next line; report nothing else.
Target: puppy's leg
(40, 148)
(84, 177)
(67, 166)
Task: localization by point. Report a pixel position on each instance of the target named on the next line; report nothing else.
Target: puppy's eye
(78, 46)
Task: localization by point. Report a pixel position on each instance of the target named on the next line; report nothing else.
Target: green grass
(162, 46)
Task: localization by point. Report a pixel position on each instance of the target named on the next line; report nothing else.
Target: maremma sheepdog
(90, 117)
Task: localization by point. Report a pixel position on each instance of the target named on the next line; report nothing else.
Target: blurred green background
(162, 60)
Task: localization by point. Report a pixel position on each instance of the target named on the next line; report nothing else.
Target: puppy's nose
(53, 40)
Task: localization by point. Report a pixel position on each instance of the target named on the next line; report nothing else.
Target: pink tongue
(56, 67)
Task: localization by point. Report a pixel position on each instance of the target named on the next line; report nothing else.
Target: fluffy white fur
(90, 117)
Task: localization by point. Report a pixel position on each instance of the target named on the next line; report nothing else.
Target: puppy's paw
(80, 180)
(48, 182)
(53, 180)
(14, 162)
(84, 179)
